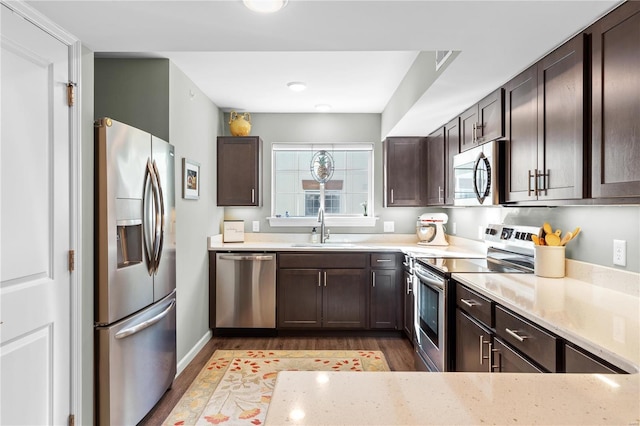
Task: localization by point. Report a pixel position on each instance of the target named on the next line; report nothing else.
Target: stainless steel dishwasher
(246, 290)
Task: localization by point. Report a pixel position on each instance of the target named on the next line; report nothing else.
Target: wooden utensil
(575, 232)
(552, 240)
(567, 237)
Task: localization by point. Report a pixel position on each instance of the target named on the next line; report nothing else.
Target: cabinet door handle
(325, 278)
(253, 195)
(440, 191)
(319, 279)
(470, 303)
(373, 278)
(392, 196)
(383, 260)
(482, 357)
(409, 285)
(529, 190)
(473, 139)
(515, 335)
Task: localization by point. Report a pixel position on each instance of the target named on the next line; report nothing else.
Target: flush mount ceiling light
(265, 6)
(323, 107)
(296, 86)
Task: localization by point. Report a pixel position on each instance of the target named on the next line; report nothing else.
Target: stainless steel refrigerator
(135, 280)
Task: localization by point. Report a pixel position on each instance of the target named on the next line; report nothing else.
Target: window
(348, 194)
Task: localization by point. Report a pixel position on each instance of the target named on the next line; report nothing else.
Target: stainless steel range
(509, 250)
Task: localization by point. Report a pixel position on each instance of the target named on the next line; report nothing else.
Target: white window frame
(330, 219)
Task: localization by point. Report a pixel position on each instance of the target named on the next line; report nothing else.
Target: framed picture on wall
(190, 179)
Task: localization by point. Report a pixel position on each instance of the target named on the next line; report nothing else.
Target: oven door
(475, 176)
(430, 318)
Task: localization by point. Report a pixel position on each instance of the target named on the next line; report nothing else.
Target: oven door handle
(432, 281)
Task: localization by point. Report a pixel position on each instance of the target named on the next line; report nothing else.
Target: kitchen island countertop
(418, 398)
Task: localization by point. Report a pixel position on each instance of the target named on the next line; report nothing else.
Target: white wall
(194, 125)
(328, 128)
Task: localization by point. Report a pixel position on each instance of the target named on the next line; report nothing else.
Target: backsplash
(600, 226)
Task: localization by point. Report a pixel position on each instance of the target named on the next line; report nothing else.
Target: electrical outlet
(453, 228)
(620, 252)
(389, 226)
(481, 232)
(256, 226)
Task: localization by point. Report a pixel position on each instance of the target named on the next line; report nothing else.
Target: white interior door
(35, 226)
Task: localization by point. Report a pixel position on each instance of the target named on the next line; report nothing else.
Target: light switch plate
(389, 226)
(256, 226)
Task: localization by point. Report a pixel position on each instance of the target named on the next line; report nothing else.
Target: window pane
(296, 192)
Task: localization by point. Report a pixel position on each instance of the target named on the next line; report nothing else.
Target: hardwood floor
(397, 350)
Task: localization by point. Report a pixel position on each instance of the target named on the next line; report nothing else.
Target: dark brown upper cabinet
(545, 132)
(615, 128)
(483, 122)
(436, 170)
(239, 171)
(405, 179)
(452, 140)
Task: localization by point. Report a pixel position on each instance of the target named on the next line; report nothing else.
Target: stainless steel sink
(321, 245)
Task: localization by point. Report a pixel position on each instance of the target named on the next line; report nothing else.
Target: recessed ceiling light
(265, 6)
(323, 107)
(296, 86)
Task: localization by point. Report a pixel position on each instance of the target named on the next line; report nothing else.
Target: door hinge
(72, 420)
(72, 260)
(71, 93)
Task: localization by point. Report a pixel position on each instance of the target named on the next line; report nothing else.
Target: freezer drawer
(135, 363)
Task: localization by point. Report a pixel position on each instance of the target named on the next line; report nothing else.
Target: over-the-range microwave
(477, 176)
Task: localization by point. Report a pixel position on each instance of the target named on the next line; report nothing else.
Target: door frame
(75, 198)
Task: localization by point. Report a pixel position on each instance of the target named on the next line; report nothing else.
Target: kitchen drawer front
(578, 362)
(474, 304)
(384, 260)
(529, 339)
(506, 360)
(324, 260)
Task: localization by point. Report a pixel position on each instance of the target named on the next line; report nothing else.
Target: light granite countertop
(603, 318)
(594, 307)
(406, 243)
(415, 398)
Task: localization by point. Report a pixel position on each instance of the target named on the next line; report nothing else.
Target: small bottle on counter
(314, 235)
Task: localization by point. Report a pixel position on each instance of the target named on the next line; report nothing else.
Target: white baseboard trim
(184, 362)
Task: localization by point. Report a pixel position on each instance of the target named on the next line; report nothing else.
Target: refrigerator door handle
(147, 216)
(159, 242)
(145, 324)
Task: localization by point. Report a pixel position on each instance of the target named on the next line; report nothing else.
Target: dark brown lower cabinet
(473, 345)
(299, 298)
(322, 298)
(383, 306)
(506, 360)
(344, 298)
(576, 361)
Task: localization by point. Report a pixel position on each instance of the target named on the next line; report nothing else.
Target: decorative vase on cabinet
(239, 125)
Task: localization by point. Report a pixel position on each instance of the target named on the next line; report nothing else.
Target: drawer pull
(515, 335)
(383, 260)
(470, 303)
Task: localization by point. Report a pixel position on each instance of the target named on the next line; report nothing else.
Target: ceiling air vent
(441, 57)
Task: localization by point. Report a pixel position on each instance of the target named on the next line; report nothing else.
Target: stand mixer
(430, 229)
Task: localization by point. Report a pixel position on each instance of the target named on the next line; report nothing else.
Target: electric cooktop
(509, 251)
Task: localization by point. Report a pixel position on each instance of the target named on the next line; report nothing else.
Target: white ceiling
(352, 54)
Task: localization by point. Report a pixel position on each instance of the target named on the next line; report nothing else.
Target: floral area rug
(235, 387)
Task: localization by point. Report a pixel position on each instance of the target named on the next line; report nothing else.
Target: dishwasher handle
(245, 257)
